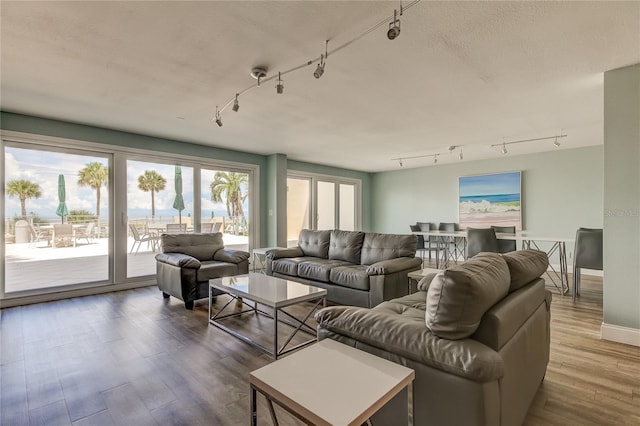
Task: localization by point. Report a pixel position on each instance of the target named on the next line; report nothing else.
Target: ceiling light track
(321, 60)
(556, 142)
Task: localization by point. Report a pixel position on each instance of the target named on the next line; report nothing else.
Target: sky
(43, 168)
(491, 184)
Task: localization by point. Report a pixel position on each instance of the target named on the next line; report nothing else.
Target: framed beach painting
(493, 199)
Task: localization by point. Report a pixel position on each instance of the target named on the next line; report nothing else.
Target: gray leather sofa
(189, 261)
(477, 336)
(356, 268)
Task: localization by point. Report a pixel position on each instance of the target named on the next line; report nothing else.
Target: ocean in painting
(492, 198)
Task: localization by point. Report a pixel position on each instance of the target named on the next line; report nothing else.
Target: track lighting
(460, 156)
(259, 73)
(435, 158)
(504, 148)
(394, 27)
(236, 105)
(400, 163)
(218, 118)
(323, 57)
(556, 143)
(279, 86)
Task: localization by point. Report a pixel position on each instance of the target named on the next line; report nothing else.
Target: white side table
(259, 257)
(416, 276)
(329, 383)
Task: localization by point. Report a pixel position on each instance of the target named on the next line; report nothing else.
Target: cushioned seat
(318, 269)
(289, 266)
(215, 269)
(352, 276)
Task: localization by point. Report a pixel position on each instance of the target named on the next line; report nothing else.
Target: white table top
(330, 383)
(416, 275)
(267, 290)
(518, 236)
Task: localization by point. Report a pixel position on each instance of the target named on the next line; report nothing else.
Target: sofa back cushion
(200, 246)
(314, 243)
(525, 266)
(457, 299)
(346, 245)
(379, 247)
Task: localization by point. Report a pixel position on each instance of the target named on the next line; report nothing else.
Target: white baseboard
(616, 333)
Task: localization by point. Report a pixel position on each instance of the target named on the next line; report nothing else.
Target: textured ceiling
(460, 73)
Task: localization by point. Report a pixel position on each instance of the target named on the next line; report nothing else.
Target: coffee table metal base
(298, 324)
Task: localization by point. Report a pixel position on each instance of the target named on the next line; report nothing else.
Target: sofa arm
(285, 252)
(411, 339)
(178, 259)
(391, 266)
(231, 256)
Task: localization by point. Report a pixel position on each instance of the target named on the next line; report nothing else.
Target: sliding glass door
(56, 218)
(321, 202)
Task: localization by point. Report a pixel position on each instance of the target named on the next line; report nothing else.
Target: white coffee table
(416, 276)
(329, 383)
(271, 292)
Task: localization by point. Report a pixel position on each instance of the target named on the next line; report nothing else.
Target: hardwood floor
(132, 358)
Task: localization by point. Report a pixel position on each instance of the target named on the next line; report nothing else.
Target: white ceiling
(460, 73)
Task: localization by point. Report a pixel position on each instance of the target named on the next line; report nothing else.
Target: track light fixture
(394, 27)
(400, 163)
(460, 156)
(323, 57)
(260, 72)
(279, 86)
(555, 138)
(218, 118)
(435, 158)
(236, 105)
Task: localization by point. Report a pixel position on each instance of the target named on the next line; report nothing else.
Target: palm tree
(230, 185)
(23, 189)
(94, 175)
(152, 181)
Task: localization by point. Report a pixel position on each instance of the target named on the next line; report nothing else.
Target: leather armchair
(189, 261)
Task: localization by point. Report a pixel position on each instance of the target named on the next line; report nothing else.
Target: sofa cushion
(352, 276)
(289, 265)
(318, 269)
(457, 299)
(525, 266)
(214, 269)
(346, 245)
(314, 243)
(200, 246)
(379, 247)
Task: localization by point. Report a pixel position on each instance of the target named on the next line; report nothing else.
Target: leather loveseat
(356, 268)
(189, 261)
(477, 337)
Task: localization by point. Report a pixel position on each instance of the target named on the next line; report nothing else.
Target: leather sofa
(356, 268)
(477, 336)
(189, 261)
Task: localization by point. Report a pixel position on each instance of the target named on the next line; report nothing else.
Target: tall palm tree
(152, 181)
(230, 185)
(23, 189)
(94, 175)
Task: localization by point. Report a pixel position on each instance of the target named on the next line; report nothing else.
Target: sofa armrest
(412, 339)
(391, 266)
(230, 256)
(178, 259)
(286, 252)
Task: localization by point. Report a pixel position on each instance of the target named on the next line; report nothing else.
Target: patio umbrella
(178, 203)
(62, 210)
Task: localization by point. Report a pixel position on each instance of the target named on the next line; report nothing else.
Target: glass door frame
(117, 194)
(314, 178)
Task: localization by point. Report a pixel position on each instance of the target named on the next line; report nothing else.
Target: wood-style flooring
(132, 358)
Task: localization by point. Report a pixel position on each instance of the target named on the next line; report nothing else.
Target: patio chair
(217, 227)
(63, 235)
(138, 239)
(36, 235)
(85, 233)
(176, 228)
(206, 227)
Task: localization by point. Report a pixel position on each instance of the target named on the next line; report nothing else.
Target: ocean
(493, 198)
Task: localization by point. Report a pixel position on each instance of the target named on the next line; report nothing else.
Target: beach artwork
(493, 199)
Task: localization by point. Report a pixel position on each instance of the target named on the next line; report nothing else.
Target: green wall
(562, 190)
(621, 302)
